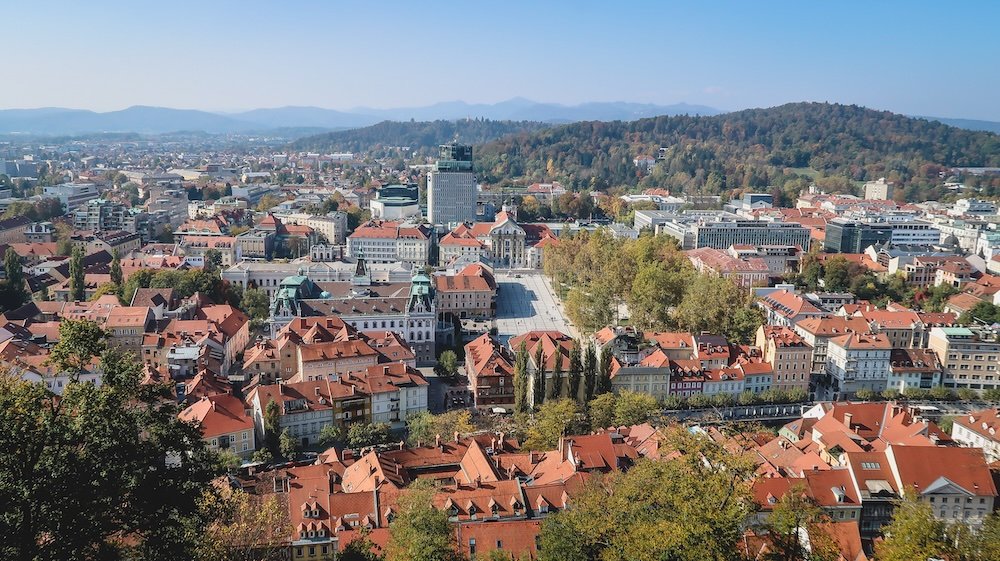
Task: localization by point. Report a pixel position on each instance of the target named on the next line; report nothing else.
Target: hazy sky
(924, 58)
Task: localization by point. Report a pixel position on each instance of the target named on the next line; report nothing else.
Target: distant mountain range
(158, 120)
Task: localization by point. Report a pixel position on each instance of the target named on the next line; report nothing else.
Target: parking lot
(526, 303)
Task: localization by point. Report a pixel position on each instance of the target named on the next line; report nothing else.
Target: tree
(633, 408)
(864, 394)
(287, 445)
(272, 427)
(449, 363)
(255, 303)
(604, 373)
(690, 508)
(575, 371)
(521, 379)
(539, 389)
(793, 514)
(117, 277)
(77, 285)
(139, 279)
(362, 435)
(836, 274)
(589, 372)
(985, 545)
(360, 549)
(557, 382)
(244, 527)
(101, 463)
(717, 305)
(420, 531)
(424, 427)
(602, 411)
(79, 342)
(330, 435)
(263, 456)
(213, 260)
(552, 421)
(14, 293)
(914, 533)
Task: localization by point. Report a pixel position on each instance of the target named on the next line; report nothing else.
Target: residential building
(979, 429)
(331, 226)
(168, 200)
(451, 187)
(40, 232)
(397, 392)
(785, 308)
(913, 369)
(226, 423)
(127, 326)
(856, 361)
(788, 354)
(969, 358)
(14, 230)
(333, 359)
(879, 189)
(306, 408)
(490, 369)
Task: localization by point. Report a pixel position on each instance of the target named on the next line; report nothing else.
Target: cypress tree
(558, 388)
(539, 389)
(604, 373)
(575, 371)
(76, 282)
(589, 372)
(14, 294)
(116, 271)
(521, 379)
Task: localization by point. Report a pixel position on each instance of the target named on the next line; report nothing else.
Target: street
(526, 302)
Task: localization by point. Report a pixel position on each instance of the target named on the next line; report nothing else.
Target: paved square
(527, 304)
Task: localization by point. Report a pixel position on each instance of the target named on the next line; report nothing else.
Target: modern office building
(720, 229)
(72, 195)
(396, 202)
(451, 187)
(853, 236)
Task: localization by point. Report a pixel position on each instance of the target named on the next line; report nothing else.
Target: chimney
(437, 440)
(456, 436)
(402, 444)
(848, 419)
(503, 438)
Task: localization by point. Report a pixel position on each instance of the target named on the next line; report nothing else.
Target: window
(472, 547)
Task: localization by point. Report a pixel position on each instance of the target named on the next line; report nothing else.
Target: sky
(919, 58)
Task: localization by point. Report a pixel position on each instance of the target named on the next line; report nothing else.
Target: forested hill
(791, 144)
(416, 135)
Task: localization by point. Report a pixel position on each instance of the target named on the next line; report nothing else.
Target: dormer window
(315, 513)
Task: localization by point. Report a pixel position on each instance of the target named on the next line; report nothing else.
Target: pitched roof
(218, 415)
